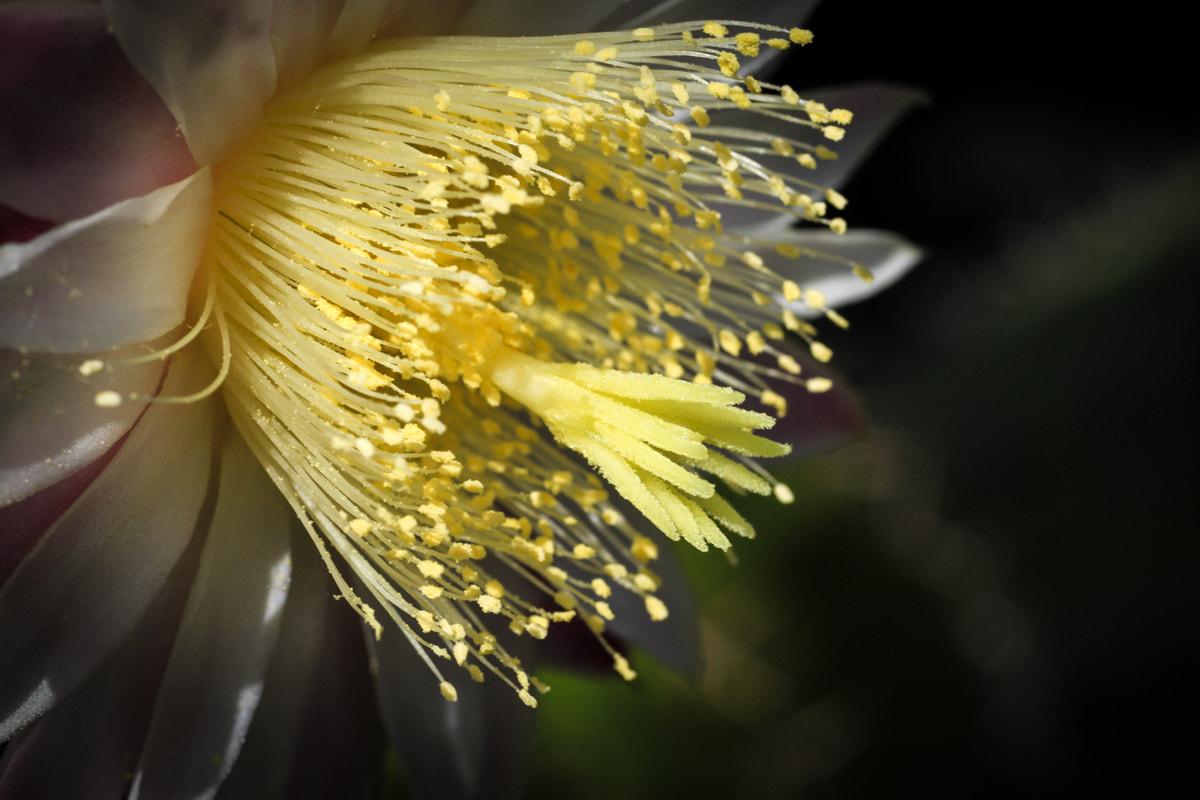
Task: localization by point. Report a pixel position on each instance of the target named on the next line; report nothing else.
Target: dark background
(993, 594)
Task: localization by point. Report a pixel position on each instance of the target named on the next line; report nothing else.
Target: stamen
(436, 246)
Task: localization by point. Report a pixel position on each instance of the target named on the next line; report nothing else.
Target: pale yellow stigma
(449, 276)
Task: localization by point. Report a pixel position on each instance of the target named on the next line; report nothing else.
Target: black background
(993, 595)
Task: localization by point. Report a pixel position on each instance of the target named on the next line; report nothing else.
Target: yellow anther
(656, 608)
(747, 43)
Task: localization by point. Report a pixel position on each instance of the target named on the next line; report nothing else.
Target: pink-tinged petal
(116, 700)
(50, 424)
(17, 226)
(211, 61)
(888, 257)
(316, 733)
(82, 129)
(452, 750)
(115, 278)
(76, 597)
(215, 676)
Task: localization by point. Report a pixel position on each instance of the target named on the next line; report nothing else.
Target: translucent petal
(533, 17)
(784, 13)
(876, 109)
(215, 675)
(316, 732)
(887, 255)
(210, 60)
(675, 640)
(117, 277)
(300, 33)
(117, 700)
(451, 750)
(50, 424)
(83, 589)
(425, 19)
(82, 129)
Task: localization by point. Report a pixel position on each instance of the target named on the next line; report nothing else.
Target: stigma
(466, 293)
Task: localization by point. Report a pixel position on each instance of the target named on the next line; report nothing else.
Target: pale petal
(784, 13)
(26, 521)
(82, 129)
(355, 27)
(451, 750)
(673, 641)
(425, 19)
(533, 17)
(50, 424)
(876, 109)
(117, 277)
(264, 766)
(117, 700)
(299, 33)
(316, 732)
(210, 60)
(215, 676)
(887, 255)
(83, 589)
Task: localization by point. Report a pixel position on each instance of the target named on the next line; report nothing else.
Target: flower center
(435, 248)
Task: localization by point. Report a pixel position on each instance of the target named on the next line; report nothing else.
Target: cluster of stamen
(434, 249)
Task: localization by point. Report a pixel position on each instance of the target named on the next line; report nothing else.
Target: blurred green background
(993, 594)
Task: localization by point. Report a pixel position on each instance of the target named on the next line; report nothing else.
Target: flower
(469, 315)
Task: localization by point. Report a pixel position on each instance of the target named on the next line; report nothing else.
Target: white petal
(675, 640)
(214, 678)
(887, 255)
(117, 699)
(425, 19)
(50, 424)
(79, 594)
(264, 766)
(533, 17)
(876, 109)
(210, 60)
(451, 750)
(356, 26)
(299, 33)
(316, 732)
(784, 13)
(82, 129)
(117, 277)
